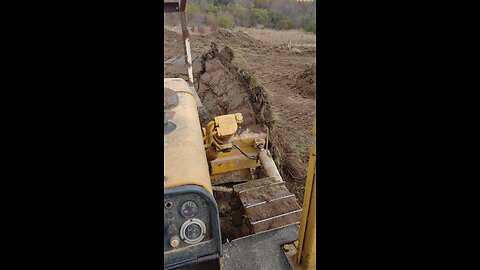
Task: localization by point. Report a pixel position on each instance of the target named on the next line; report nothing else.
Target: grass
(304, 147)
(294, 37)
(270, 36)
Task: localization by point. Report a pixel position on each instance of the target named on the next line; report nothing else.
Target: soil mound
(221, 36)
(171, 35)
(237, 38)
(306, 82)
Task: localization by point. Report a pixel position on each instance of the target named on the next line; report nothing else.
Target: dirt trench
(222, 87)
(225, 88)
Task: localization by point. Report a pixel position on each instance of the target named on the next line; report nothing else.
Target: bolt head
(239, 118)
(174, 242)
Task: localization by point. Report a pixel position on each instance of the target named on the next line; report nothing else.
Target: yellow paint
(306, 255)
(185, 162)
(232, 163)
(227, 124)
(234, 160)
(246, 145)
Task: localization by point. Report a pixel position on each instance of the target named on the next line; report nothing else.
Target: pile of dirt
(171, 35)
(306, 82)
(221, 36)
(239, 38)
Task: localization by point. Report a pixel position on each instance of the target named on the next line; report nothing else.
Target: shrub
(213, 10)
(285, 23)
(260, 15)
(312, 27)
(225, 21)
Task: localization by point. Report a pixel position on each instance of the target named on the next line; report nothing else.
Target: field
(278, 68)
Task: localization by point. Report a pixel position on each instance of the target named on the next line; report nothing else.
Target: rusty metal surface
(254, 184)
(240, 176)
(174, 5)
(267, 204)
(290, 217)
(269, 165)
(263, 194)
(261, 251)
(170, 99)
(231, 164)
(170, 7)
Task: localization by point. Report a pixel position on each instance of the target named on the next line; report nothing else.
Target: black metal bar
(181, 264)
(183, 3)
(183, 23)
(174, 6)
(243, 153)
(170, 7)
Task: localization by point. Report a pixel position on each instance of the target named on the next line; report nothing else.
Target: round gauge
(189, 209)
(192, 231)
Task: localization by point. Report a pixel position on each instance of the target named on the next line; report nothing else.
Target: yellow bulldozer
(226, 205)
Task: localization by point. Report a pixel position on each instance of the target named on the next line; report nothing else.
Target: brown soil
(306, 82)
(268, 83)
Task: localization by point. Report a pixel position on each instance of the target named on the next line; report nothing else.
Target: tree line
(275, 14)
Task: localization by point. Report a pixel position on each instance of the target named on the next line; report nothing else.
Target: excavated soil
(306, 82)
(268, 83)
(222, 87)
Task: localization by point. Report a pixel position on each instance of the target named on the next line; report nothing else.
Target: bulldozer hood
(185, 162)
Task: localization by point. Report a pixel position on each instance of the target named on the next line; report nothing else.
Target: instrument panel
(187, 220)
(191, 226)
